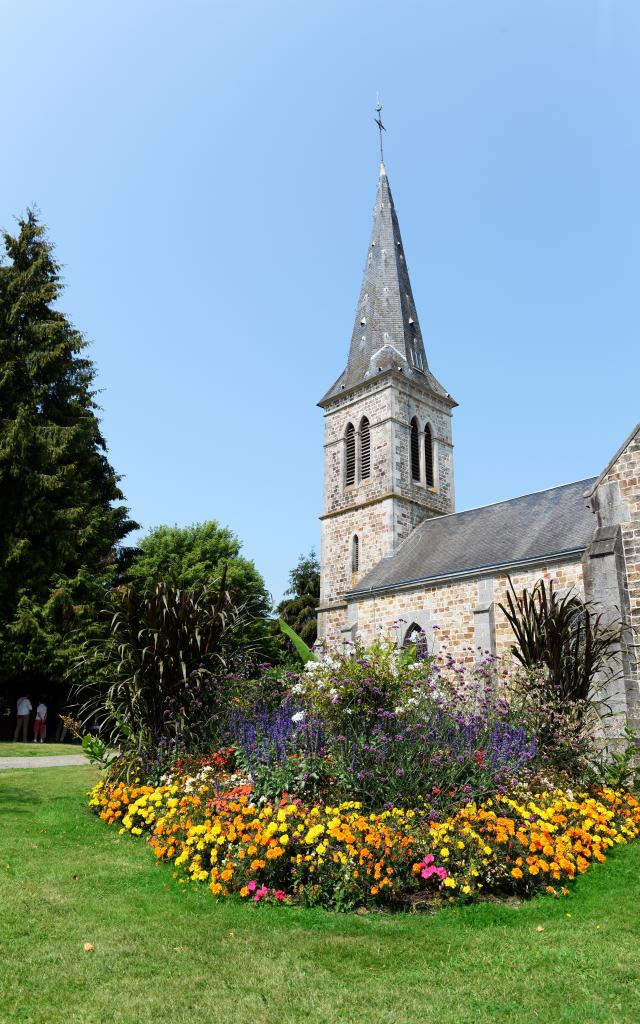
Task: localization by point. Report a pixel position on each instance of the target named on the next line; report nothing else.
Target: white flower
(297, 688)
(298, 717)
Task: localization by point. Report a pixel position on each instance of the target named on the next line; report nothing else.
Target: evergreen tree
(62, 515)
(299, 609)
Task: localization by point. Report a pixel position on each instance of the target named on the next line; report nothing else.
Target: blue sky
(207, 171)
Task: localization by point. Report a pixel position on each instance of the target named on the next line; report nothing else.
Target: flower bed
(382, 776)
(343, 857)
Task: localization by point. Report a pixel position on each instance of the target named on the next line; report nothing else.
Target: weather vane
(381, 127)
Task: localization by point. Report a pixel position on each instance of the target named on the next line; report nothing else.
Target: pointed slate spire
(386, 333)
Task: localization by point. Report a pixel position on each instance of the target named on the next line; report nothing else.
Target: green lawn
(165, 952)
(38, 749)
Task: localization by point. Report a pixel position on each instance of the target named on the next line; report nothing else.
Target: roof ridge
(522, 530)
(414, 535)
(506, 501)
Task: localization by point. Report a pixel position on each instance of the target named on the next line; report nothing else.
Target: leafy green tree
(299, 608)
(196, 556)
(62, 512)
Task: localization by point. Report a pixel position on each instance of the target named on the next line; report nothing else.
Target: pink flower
(429, 868)
(279, 894)
(251, 885)
(262, 891)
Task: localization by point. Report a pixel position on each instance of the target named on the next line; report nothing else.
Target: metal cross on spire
(381, 127)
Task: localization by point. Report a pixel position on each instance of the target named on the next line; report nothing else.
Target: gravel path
(55, 761)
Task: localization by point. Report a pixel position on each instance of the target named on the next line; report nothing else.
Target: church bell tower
(388, 457)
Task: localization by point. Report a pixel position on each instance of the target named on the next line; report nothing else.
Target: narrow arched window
(350, 454)
(415, 451)
(416, 636)
(428, 456)
(365, 449)
(355, 554)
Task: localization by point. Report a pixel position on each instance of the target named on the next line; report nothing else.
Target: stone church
(395, 554)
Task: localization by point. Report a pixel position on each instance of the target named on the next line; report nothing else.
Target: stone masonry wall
(613, 568)
(407, 404)
(451, 607)
(625, 472)
(383, 509)
(372, 525)
(374, 402)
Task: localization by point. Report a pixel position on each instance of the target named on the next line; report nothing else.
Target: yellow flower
(450, 882)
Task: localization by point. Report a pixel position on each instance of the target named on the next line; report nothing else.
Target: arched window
(355, 554)
(416, 636)
(350, 454)
(428, 456)
(365, 449)
(415, 451)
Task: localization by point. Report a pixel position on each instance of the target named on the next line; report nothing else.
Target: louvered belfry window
(365, 449)
(355, 554)
(350, 454)
(415, 451)
(428, 455)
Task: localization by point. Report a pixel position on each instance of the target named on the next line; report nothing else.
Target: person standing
(39, 726)
(24, 709)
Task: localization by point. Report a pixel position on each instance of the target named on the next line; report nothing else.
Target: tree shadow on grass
(16, 800)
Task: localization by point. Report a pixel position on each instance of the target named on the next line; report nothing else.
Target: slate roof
(386, 333)
(526, 529)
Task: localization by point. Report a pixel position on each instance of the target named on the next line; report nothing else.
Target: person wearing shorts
(39, 726)
(24, 710)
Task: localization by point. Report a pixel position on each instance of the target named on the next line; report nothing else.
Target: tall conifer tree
(60, 503)
(299, 605)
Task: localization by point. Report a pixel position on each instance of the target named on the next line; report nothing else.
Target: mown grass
(166, 952)
(45, 749)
